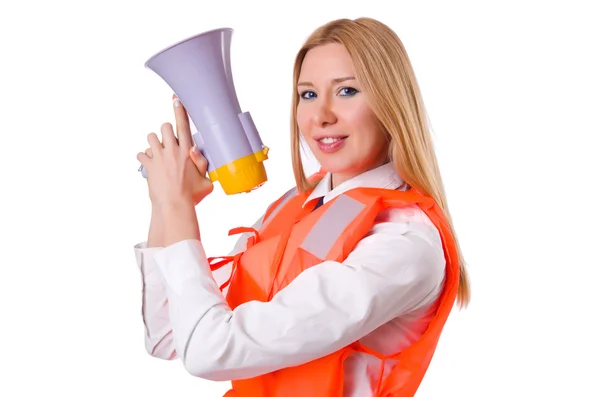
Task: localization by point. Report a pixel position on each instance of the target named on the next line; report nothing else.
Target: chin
(341, 166)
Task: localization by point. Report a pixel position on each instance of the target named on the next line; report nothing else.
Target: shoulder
(410, 219)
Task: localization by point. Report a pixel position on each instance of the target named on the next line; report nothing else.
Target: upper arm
(401, 264)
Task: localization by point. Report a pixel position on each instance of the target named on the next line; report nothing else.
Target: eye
(308, 95)
(348, 91)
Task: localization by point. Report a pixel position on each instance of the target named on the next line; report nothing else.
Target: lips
(330, 144)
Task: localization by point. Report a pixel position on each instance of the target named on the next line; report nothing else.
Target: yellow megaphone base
(242, 175)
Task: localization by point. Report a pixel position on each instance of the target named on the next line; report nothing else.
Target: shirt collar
(382, 177)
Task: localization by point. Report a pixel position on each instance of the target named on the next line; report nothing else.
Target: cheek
(366, 122)
(303, 120)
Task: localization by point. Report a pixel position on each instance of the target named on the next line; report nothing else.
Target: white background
(512, 91)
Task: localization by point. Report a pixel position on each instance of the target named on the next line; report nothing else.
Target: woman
(343, 286)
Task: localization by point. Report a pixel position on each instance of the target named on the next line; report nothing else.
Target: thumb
(199, 160)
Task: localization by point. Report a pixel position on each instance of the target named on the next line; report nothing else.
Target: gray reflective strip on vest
(330, 226)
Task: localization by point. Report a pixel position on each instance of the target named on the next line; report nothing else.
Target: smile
(331, 144)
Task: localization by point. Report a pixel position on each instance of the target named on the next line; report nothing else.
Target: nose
(324, 114)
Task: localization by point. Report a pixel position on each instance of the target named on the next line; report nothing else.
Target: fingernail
(176, 101)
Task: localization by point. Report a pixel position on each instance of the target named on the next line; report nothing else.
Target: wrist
(180, 222)
(171, 206)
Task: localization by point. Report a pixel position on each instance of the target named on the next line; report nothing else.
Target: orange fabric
(257, 278)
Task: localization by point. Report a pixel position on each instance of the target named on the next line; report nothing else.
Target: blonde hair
(388, 80)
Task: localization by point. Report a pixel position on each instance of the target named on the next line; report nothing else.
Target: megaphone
(198, 71)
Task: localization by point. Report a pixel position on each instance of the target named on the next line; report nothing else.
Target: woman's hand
(176, 174)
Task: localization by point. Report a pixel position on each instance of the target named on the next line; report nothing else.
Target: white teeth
(329, 140)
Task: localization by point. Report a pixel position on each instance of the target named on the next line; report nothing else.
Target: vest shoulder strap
(281, 201)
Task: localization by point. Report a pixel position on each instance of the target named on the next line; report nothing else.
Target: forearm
(180, 222)
(155, 310)
(155, 306)
(156, 231)
(158, 335)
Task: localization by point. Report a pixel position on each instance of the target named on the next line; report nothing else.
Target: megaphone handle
(143, 171)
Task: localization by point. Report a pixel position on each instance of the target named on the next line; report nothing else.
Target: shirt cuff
(146, 264)
(185, 269)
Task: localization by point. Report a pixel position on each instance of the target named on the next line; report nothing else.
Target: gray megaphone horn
(198, 70)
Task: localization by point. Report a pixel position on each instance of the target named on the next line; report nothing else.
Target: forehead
(326, 62)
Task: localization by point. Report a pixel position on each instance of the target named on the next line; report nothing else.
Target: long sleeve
(158, 332)
(397, 268)
(158, 336)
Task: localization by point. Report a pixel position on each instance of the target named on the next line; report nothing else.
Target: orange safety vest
(297, 238)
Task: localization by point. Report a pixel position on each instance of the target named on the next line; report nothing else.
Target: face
(334, 117)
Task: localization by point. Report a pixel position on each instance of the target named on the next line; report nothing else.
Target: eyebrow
(335, 81)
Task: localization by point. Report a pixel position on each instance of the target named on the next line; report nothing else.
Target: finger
(168, 135)
(148, 152)
(144, 159)
(199, 160)
(154, 142)
(184, 133)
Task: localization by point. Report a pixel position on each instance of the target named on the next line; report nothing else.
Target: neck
(340, 177)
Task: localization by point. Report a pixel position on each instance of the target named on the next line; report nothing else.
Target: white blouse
(380, 294)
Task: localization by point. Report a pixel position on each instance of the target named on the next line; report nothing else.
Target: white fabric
(380, 294)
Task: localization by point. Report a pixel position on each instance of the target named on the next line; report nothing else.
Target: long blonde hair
(387, 77)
